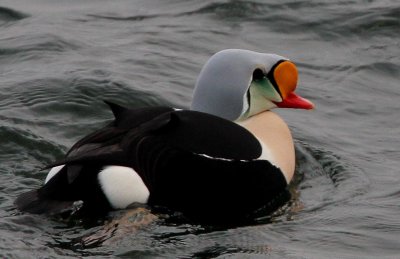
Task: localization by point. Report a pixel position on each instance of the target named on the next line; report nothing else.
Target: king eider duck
(227, 156)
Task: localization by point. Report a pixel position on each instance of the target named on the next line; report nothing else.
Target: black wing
(191, 131)
(182, 156)
(125, 119)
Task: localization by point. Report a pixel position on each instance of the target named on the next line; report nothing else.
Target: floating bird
(225, 157)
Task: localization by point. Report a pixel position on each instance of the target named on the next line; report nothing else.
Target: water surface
(60, 59)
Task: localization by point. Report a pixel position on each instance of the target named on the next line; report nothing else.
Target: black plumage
(193, 162)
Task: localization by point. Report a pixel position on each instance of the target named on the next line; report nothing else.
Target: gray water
(60, 59)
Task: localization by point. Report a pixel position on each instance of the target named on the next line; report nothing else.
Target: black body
(196, 163)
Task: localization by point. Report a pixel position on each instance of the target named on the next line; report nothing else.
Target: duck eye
(258, 74)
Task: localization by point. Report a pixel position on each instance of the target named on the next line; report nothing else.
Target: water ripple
(230, 9)
(35, 46)
(342, 23)
(325, 179)
(59, 60)
(123, 18)
(9, 15)
(34, 145)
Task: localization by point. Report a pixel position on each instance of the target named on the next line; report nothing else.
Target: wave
(9, 15)
(318, 169)
(123, 18)
(327, 21)
(32, 46)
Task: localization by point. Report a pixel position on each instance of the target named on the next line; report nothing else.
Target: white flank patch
(53, 171)
(122, 186)
(266, 154)
(215, 158)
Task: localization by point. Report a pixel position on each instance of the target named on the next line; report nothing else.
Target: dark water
(59, 59)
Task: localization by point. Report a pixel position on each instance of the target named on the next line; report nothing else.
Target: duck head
(236, 84)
